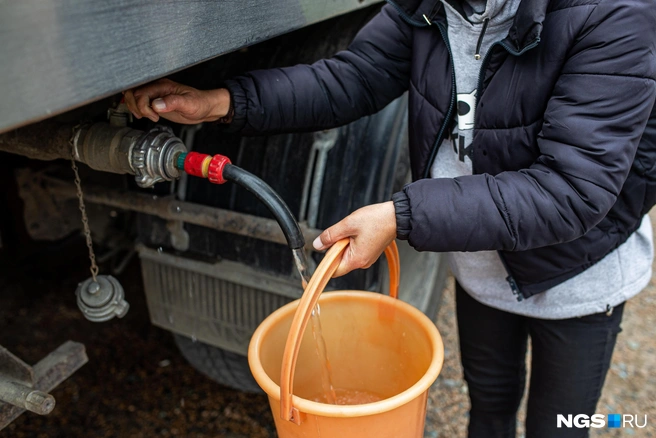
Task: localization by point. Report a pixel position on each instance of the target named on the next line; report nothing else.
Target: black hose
(271, 199)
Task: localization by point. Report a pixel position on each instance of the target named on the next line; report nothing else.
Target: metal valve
(150, 156)
(154, 156)
(101, 300)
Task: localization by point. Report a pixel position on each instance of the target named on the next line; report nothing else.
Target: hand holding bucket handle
(310, 297)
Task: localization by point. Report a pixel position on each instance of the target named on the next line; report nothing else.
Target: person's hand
(177, 103)
(370, 229)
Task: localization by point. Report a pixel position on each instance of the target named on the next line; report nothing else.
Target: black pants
(569, 362)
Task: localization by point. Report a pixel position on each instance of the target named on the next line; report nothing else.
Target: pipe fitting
(154, 156)
(150, 156)
(216, 168)
(105, 147)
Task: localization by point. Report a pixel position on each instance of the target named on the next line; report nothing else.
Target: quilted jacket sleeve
(592, 126)
(332, 92)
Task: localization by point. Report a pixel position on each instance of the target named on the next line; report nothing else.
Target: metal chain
(85, 219)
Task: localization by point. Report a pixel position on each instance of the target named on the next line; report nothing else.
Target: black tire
(222, 366)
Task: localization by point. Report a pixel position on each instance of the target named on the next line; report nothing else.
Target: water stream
(300, 260)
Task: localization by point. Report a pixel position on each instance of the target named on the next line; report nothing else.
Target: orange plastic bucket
(376, 344)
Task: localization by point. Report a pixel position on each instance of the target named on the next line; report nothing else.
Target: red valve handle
(206, 166)
(215, 171)
(196, 164)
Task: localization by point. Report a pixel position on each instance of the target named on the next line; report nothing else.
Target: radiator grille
(212, 310)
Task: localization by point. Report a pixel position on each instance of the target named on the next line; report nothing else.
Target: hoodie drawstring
(477, 55)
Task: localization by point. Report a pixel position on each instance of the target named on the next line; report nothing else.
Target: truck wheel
(222, 366)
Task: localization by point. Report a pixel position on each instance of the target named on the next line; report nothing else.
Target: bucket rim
(328, 410)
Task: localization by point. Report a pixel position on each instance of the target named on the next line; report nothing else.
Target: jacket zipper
(449, 113)
(514, 287)
(486, 59)
(452, 104)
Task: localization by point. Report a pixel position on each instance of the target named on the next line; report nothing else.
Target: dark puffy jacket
(561, 175)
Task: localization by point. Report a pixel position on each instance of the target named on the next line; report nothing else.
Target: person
(530, 169)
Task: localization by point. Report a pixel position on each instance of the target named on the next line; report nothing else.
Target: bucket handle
(315, 287)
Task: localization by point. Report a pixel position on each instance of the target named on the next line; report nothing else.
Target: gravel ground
(136, 384)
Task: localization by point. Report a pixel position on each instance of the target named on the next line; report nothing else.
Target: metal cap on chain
(101, 297)
(101, 300)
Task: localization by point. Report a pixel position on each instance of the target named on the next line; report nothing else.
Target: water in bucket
(349, 397)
